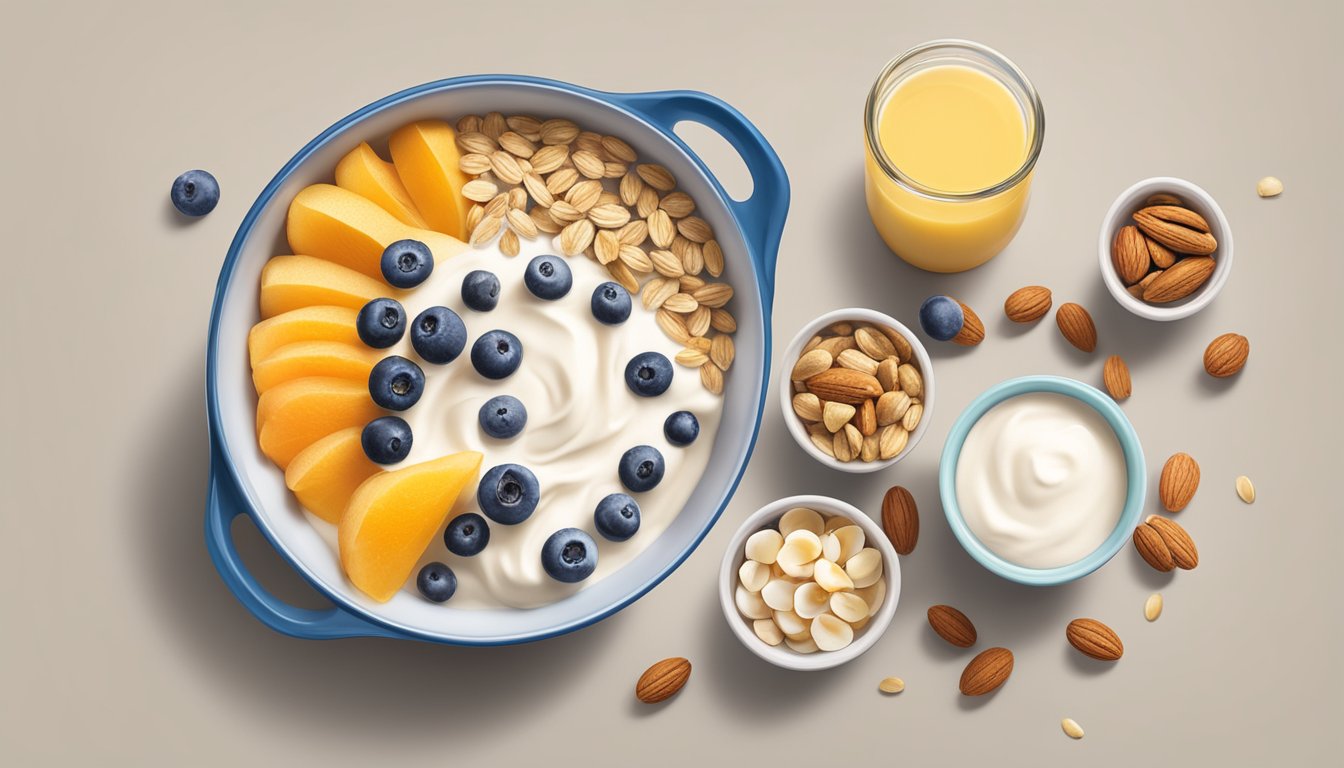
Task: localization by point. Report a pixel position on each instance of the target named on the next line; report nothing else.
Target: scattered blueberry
(503, 416)
(436, 582)
(569, 555)
(508, 494)
(396, 383)
(386, 440)
(648, 374)
(941, 317)
(548, 277)
(467, 535)
(381, 323)
(641, 468)
(681, 428)
(617, 517)
(406, 263)
(611, 304)
(438, 335)
(496, 354)
(480, 290)
(195, 193)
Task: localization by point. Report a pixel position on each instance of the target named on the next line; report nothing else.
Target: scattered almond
(1226, 355)
(891, 685)
(1076, 325)
(953, 626)
(1029, 304)
(1182, 547)
(1269, 186)
(986, 672)
(1115, 375)
(1179, 481)
(1152, 607)
(1150, 546)
(972, 329)
(1245, 490)
(662, 680)
(1071, 728)
(900, 521)
(1094, 639)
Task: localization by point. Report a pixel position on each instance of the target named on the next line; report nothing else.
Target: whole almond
(807, 406)
(1177, 539)
(865, 418)
(662, 680)
(1161, 256)
(1163, 198)
(911, 382)
(1076, 325)
(1150, 546)
(1180, 229)
(1092, 638)
(953, 626)
(903, 349)
(887, 374)
(858, 361)
(1179, 481)
(1029, 304)
(1136, 290)
(972, 329)
(811, 364)
(1129, 254)
(1184, 278)
(986, 672)
(874, 344)
(900, 521)
(891, 406)
(1226, 355)
(891, 441)
(844, 385)
(1115, 375)
(836, 415)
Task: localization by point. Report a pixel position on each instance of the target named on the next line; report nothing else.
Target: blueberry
(195, 193)
(467, 535)
(569, 555)
(406, 263)
(611, 304)
(381, 323)
(941, 317)
(503, 416)
(508, 494)
(641, 468)
(436, 582)
(386, 440)
(548, 277)
(617, 517)
(681, 428)
(648, 374)
(396, 383)
(480, 290)
(438, 335)
(497, 354)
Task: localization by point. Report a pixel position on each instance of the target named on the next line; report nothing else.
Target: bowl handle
(222, 506)
(761, 216)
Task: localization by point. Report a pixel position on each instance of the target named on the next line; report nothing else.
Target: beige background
(120, 645)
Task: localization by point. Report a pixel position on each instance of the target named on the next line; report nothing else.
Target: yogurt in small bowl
(1042, 479)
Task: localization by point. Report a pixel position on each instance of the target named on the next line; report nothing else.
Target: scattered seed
(1071, 728)
(1245, 489)
(891, 685)
(1269, 187)
(1152, 607)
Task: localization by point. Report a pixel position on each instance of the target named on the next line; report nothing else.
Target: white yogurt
(1041, 480)
(581, 417)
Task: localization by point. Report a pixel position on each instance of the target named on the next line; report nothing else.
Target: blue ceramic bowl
(1135, 471)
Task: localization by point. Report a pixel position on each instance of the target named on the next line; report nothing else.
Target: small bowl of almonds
(809, 582)
(1165, 249)
(856, 390)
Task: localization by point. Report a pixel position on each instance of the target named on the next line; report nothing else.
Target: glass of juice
(953, 131)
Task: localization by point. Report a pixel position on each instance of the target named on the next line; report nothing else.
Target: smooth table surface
(121, 646)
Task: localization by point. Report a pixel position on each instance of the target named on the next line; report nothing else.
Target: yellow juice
(949, 158)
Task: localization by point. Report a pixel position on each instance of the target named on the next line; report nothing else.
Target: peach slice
(318, 323)
(298, 413)
(314, 358)
(325, 474)
(338, 225)
(368, 175)
(393, 516)
(293, 282)
(426, 158)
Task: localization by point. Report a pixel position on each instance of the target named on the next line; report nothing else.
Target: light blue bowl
(1136, 473)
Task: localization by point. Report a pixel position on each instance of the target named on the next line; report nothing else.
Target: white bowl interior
(785, 384)
(1197, 200)
(279, 514)
(781, 655)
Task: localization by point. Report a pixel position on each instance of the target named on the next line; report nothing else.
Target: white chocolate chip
(767, 631)
(851, 540)
(791, 623)
(750, 604)
(800, 547)
(778, 594)
(830, 633)
(753, 575)
(763, 546)
(849, 606)
(806, 645)
(873, 595)
(809, 600)
(832, 577)
(830, 547)
(801, 519)
(865, 568)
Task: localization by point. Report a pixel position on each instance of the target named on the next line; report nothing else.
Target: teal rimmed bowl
(1136, 476)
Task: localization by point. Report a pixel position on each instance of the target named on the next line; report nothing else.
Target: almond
(1092, 638)
(900, 521)
(1136, 290)
(1179, 481)
(1161, 256)
(972, 329)
(1029, 304)
(1184, 278)
(903, 349)
(1226, 355)
(1180, 229)
(1152, 548)
(836, 415)
(844, 385)
(865, 419)
(1115, 375)
(1076, 325)
(1183, 551)
(857, 361)
(811, 364)
(662, 680)
(1129, 254)
(874, 344)
(953, 626)
(807, 406)
(986, 672)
